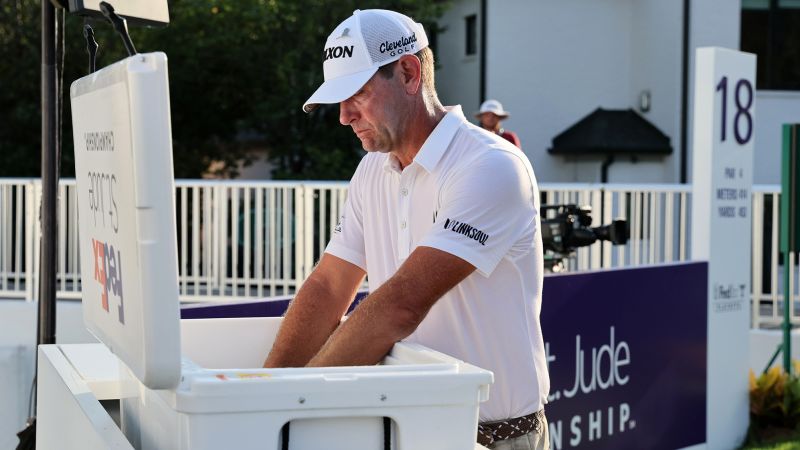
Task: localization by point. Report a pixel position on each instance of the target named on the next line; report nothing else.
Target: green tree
(19, 88)
(239, 74)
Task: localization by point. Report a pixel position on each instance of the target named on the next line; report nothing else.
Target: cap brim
(504, 115)
(338, 89)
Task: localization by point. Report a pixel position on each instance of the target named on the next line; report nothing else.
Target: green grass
(787, 445)
(783, 441)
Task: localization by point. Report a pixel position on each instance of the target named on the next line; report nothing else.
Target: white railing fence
(656, 215)
(768, 269)
(251, 239)
(19, 243)
(239, 239)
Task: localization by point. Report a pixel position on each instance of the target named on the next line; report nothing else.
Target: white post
(37, 237)
(724, 122)
(299, 235)
(32, 233)
(309, 215)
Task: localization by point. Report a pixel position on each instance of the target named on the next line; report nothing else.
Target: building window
(771, 30)
(471, 23)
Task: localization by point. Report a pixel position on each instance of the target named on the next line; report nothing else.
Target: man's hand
(315, 312)
(394, 310)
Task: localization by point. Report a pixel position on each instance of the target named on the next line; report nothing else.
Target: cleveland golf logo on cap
(400, 46)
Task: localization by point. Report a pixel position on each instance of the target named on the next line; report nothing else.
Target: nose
(347, 113)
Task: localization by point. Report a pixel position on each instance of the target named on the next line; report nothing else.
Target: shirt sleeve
(347, 238)
(513, 138)
(488, 211)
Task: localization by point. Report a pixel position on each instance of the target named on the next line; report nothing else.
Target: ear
(409, 70)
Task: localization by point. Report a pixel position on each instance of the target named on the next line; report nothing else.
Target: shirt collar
(437, 143)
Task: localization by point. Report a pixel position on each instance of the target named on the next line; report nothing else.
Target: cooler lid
(126, 211)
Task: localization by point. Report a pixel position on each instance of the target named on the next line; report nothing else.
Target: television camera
(567, 227)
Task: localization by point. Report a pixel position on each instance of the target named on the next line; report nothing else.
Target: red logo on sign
(108, 272)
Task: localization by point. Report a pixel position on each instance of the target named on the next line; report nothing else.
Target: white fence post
(299, 235)
(757, 241)
(309, 216)
(37, 237)
(31, 237)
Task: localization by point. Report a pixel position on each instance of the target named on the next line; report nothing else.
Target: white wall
(458, 75)
(552, 63)
(713, 23)
(656, 67)
(773, 109)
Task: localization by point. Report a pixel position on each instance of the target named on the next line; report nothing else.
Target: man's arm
(394, 310)
(315, 312)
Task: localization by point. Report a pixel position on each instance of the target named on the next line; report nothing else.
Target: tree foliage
(239, 74)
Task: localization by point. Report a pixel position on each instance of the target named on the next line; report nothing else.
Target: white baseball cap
(359, 46)
(492, 106)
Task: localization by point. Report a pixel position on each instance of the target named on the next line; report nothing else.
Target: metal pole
(483, 50)
(47, 283)
(788, 230)
(686, 48)
(787, 315)
(789, 212)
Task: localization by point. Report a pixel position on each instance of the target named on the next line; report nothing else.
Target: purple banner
(258, 308)
(271, 307)
(627, 357)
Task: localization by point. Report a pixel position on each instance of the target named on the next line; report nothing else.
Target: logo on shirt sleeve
(466, 229)
(338, 227)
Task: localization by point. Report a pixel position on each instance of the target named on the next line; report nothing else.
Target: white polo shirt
(472, 194)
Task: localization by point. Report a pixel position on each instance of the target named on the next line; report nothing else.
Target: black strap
(387, 433)
(285, 436)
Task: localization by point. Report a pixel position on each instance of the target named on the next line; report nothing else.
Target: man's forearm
(373, 328)
(394, 310)
(305, 328)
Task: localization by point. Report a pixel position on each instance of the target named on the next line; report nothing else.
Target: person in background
(489, 117)
(442, 218)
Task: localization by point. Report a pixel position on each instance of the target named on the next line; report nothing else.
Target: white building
(551, 63)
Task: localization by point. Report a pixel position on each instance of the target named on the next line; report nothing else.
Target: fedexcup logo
(340, 51)
(402, 45)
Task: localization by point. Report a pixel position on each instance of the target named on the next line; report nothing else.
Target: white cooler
(197, 384)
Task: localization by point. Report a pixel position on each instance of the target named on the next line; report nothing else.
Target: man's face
(489, 120)
(376, 113)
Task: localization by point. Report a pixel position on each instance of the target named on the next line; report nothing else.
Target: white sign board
(724, 123)
(125, 189)
(148, 12)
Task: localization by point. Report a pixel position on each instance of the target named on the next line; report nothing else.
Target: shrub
(774, 403)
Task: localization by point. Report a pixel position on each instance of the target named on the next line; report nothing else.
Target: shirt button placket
(404, 236)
